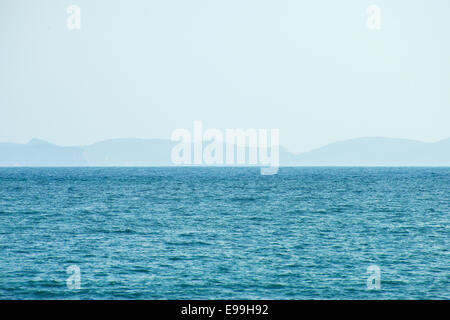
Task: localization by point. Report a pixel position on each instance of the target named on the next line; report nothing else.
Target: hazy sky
(144, 68)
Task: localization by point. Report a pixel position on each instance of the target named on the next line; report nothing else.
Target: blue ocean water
(224, 233)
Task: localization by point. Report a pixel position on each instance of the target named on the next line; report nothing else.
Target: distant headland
(369, 151)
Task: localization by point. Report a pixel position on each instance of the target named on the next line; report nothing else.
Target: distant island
(156, 152)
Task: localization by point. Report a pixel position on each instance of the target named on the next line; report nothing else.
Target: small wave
(188, 243)
(243, 199)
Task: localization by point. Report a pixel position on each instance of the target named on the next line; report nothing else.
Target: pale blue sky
(144, 68)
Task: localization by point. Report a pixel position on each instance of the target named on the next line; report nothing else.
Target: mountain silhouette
(157, 152)
(378, 152)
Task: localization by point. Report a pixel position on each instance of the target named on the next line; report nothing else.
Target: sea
(224, 233)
